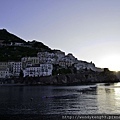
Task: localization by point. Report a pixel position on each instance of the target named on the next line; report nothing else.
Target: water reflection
(60, 100)
(109, 98)
(74, 100)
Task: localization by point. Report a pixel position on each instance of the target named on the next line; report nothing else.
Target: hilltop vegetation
(15, 53)
(8, 37)
(9, 51)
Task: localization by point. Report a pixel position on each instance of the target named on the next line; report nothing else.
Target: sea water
(82, 99)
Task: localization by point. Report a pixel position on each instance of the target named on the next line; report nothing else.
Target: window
(49, 67)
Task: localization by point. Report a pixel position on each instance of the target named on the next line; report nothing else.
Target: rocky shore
(84, 77)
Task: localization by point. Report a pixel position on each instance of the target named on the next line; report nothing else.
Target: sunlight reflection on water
(109, 98)
(84, 99)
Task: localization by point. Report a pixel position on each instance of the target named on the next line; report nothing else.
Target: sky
(89, 29)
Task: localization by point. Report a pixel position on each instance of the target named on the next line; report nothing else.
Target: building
(32, 71)
(38, 70)
(3, 65)
(15, 68)
(46, 57)
(66, 62)
(50, 58)
(85, 65)
(59, 54)
(29, 61)
(4, 73)
(46, 69)
(80, 65)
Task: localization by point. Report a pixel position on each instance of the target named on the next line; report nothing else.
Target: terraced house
(29, 61)
(4, 70)
(38, 70)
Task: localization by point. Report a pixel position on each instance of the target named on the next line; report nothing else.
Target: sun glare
(112, 62)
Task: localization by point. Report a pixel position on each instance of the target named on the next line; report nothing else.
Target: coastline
(89, 77)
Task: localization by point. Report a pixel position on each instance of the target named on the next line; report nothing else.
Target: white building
(66, 61)
(50, 58)
(38, 70)
(15, 68)
(80, 65)
(4, 73)
(59, 54)
(85, 65)
(46, 69)
(46, 57)
(29, 61)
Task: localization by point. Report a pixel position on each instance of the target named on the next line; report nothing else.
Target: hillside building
(29, 61)
(38, 70)
(4, 73)
(50, 58)
(3, 65)
(15, 68)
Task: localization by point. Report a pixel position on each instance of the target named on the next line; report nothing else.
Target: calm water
(60, 100)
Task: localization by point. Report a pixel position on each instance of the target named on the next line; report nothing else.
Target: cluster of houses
(42, 65)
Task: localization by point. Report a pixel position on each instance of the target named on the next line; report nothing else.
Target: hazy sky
(90, 29)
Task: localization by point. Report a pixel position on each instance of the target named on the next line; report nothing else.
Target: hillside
(14, 52)
(8, 37)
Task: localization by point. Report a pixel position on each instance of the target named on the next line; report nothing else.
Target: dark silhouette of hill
(14, 52)
(8, 37)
